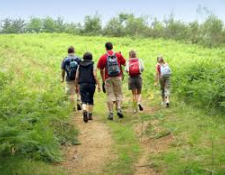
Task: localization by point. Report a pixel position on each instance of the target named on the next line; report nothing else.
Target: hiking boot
(79, 107)
(90, 116)
(110, 116)
(140, 107)
(119, 113)
(85, 116)
(167, 105)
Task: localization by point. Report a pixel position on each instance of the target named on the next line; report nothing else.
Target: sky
(76, 10)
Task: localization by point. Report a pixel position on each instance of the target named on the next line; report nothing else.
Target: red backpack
(134, 67)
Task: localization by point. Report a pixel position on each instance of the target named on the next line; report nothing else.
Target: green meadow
(35, 113)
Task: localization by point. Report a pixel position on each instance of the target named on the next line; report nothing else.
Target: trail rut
(94, 151)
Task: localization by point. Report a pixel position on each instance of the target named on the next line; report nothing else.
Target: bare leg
(78, 102)
(84, 107)
(85, 113)
(110, 106)
(134, 92)
(118, 105)
(139, 98)
(90, 109)
(72, 101)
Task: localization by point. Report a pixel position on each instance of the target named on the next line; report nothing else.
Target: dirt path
(149, 146)
(94, 151)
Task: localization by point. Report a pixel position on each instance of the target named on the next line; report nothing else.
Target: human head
(132, 54)
(109, 46)
(71, 50)
(160, 59)
(87, 56)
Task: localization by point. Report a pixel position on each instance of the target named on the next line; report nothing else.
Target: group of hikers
(81, 79)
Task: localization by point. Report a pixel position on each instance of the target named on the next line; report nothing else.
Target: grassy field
(34, 112)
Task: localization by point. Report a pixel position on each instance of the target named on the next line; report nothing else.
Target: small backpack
(112, 65)
(134, 67)
(165, 70)
(72, 67)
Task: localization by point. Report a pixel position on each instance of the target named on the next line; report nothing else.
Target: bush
(202, 84)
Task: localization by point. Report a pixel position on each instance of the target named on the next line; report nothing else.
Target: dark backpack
(72, 67)
(112, 65)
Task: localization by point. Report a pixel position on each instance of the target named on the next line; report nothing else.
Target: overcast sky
(74, 10)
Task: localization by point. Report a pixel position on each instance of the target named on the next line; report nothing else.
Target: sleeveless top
(86, 75)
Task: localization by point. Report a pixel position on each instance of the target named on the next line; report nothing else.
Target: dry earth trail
(95, 149)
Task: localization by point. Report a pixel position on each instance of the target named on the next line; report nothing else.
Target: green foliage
(21, 166)
(92, 25)
(34, 112)
(202, 83)
(34, 25)
(13, 26)
(209, 33)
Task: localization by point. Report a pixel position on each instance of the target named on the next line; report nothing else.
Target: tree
(73, 28)
(157, 28)
(136, 26)
(60, 25)
(49, 25)
(13, 26)
(34, 25)
(212, 31)
(114, 28)
(92, 25)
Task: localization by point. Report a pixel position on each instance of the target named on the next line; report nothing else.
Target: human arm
(63, 76)
(76, 79)
(63, 72)
(156, 76)
(96, 79)
(141, 65)
(122, 60)
(127, 68)
(101, 66)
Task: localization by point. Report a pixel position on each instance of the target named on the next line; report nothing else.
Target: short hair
(132, 54)
(160, 59)
(87, 56)
(109, 46)
(71, 49)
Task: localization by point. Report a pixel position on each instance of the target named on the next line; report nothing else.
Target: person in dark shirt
(86, 77)
(69, 67)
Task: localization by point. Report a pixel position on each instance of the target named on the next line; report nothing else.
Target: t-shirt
(66, 62)
(103, 61)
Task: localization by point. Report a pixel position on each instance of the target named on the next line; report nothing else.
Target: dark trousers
(87, 91)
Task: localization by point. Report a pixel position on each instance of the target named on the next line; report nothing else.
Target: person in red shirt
(111, 72)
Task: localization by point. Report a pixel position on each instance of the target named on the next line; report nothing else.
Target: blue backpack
(72, 67)
(112, 65)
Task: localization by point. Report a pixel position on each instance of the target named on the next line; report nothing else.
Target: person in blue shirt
(69, 67)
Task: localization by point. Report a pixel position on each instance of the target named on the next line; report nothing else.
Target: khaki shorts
(113, 86)
(70, 87)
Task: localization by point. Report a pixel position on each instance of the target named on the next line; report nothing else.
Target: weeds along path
(95, 149)
(150, 146)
